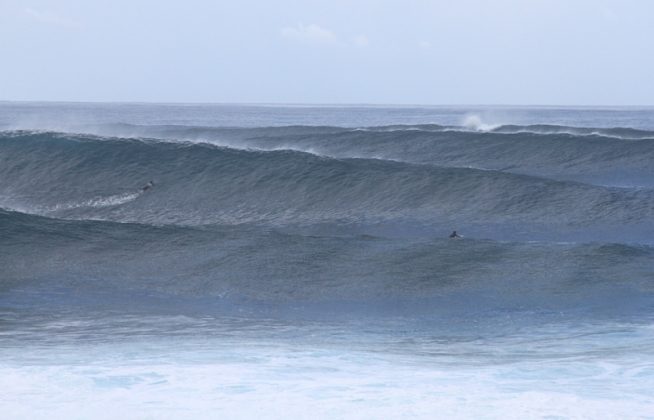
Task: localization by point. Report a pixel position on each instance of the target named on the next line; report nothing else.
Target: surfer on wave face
(147, 186)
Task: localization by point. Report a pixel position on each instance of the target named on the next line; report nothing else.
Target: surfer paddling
(147, 186)
(455, 235)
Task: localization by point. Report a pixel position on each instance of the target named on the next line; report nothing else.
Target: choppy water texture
(294, 260)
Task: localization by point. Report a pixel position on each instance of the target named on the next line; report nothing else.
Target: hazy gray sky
(567, 52)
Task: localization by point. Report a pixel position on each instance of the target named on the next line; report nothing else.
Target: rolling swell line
(417, 146)
(83, 177)
(611, 157)
(264, 265)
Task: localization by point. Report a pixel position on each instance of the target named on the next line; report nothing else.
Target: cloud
(49, 18)
(309, 34)
(361, 41)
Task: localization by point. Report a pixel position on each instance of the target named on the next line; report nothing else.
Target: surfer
(147, 186)
(454, 235)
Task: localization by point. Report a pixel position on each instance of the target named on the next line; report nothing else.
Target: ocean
(294, 261)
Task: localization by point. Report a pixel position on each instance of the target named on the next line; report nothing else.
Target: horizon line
(328, 104)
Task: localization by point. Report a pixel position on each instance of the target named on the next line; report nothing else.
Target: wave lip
(622, 133)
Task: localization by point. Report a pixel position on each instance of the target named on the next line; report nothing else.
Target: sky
(506, 52)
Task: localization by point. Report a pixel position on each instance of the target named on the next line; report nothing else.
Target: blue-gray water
(294, 260)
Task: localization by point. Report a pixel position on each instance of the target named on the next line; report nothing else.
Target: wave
(590, 159)
(611, 157)
(237, 269)
(101, 178)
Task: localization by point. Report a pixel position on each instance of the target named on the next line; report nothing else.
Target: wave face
(250, 268)
(602, 156)
(85, 177)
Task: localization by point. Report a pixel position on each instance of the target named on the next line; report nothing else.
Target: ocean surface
(294, 262)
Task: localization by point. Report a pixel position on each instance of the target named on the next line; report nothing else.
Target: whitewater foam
(96, 202)
(549, 374)
(474, 122)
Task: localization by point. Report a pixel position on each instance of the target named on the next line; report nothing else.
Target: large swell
(604, 156)
(329, 218)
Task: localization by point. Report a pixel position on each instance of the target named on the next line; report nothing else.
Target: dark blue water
(322, 232)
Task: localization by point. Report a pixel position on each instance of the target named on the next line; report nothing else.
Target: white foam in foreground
(164, 379)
